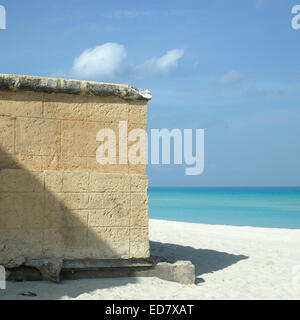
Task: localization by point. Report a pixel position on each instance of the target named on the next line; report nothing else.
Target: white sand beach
(231, 263)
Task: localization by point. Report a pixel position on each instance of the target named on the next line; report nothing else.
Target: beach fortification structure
(56, 200)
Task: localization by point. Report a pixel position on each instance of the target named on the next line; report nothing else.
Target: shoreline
(224, 225)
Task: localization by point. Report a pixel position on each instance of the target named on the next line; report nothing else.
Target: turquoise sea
(258, 207)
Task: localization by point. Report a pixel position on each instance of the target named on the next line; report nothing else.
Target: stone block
(64, 107)
(78, 138)
(108, 243)
(137, 113)
(21, 104)
(139, 183)
(75, 181)
(139, 210)
(54, 181)
(63, 242)
(139, 243)
(39, 137)
(74, 163)
(94, 165)
(21, 181)
(7, 134)
(29, 162)
(106, 110)
(109, 183)
(66, 218)
(115, 217)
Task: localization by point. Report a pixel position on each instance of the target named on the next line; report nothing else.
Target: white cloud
(104, 62)
(109, 61)
(163, 65)
(231, 77)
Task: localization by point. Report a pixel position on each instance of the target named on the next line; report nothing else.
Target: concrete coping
(76, 87)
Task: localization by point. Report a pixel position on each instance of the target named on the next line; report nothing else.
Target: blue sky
(229, 67)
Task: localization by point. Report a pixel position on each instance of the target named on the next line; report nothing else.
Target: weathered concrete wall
(56, 200)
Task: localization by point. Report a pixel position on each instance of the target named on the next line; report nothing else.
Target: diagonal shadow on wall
(36, 222)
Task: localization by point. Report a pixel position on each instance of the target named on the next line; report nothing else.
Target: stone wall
(56, 200)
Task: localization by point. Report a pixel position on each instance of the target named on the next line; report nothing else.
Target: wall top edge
(9, 82)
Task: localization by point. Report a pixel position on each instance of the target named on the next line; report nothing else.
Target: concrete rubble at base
(49, 268)
(55, 269)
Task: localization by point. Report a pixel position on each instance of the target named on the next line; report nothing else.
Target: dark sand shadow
(205, 261)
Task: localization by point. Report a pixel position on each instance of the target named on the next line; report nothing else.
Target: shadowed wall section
(56, 201)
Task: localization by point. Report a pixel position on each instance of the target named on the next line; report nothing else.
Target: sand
(231, 263)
